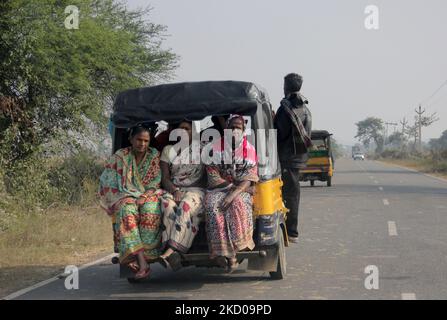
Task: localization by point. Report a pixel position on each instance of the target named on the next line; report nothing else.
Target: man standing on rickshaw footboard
(293, 123)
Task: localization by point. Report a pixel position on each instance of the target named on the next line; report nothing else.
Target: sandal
(144, 275)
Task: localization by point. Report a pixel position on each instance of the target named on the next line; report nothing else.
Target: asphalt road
(374, 215)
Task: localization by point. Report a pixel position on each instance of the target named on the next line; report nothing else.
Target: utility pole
(386, 132)
(420, 113)
(404, 123)
(394, 127)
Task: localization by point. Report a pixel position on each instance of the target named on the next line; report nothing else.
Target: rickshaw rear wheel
(312, 183)
(281, 268)
(329, 181)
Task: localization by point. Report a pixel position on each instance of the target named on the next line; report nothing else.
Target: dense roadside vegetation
(56, 89)
(401, 147)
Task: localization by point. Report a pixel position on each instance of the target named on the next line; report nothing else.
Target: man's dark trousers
(291, 196)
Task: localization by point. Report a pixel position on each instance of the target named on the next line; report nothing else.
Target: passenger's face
(237, 126)
(188, 128)
(140, 142)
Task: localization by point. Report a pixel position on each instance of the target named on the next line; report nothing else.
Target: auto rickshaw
(197, 102)
(320, 165)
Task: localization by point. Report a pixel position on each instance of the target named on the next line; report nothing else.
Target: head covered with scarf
(235, 163)
(238, 147)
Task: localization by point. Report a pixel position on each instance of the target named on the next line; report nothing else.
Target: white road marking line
(380, 257)
(392, 228)
(87, 265)
(408, 296)
(58, 277)
(26, 290)
(381, 188)
(386, 202)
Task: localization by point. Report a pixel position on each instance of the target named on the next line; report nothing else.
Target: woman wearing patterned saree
(129, 192)
(228, 202)
(182, 205)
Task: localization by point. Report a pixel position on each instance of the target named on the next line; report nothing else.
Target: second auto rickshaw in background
(320, 165)
(198, 102)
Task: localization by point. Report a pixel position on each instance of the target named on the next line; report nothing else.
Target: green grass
(49, 218)
(438, 168)
(41, 244)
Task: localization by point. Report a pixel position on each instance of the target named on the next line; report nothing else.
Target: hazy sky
(349, 72)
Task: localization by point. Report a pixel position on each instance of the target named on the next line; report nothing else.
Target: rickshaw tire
(329, 181)
(312, 183)
(281, 269)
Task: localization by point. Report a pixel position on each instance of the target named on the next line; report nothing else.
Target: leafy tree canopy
(371, 129)
(440, 143)
(55, 80)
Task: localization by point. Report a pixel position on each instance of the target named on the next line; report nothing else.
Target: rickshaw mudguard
(267, 229)
(267, 263)
(268, 232)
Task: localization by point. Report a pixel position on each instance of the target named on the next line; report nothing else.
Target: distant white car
(359, 156)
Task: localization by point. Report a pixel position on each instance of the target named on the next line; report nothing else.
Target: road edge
(412, 170)
(60, 276)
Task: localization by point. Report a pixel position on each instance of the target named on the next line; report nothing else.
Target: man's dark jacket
(292, 152)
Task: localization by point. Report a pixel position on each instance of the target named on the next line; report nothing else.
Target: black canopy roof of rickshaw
(320, 134)
(187, 101)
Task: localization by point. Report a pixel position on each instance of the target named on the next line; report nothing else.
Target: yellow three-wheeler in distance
(320, 165)
(199, 102)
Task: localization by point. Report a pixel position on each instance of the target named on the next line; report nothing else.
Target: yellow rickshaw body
(319, 165)
(267, 199)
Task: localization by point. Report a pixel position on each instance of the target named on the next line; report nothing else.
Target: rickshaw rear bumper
(258, 259)
(198, 257)
(264, 256)
(263, 259)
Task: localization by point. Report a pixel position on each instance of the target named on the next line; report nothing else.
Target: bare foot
(144, 267)
(143, 273)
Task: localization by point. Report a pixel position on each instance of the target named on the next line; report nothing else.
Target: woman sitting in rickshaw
(182, 205)
(228, 203)
(129, 192)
